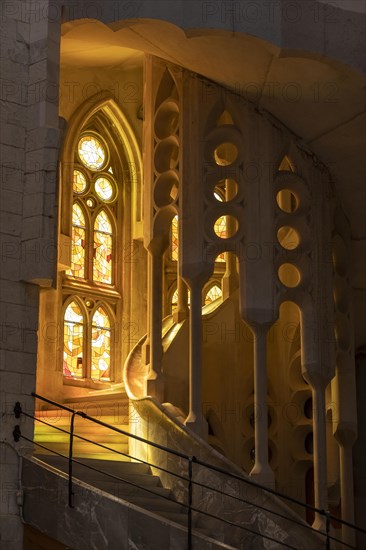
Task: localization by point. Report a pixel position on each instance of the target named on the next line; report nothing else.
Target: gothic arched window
(91, 285)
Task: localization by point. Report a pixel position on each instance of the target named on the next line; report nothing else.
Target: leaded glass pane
(79, 184)
(101, 346)
(104, 189)
(73, 341)
(213, 294)
(174, 239)
(77, 268)
(91, 152)
(102, 264)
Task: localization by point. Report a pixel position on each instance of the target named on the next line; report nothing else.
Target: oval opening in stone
(288, 237)
(226, 227)
(166, 155)
(166, 120)
(225, 154)
(289, 275)
(166, 188)
(287, 201)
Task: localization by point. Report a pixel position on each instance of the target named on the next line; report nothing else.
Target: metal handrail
(191, 459)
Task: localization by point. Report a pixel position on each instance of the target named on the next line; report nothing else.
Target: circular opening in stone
(166, 155)
(90, 202)
(289, 275)
(288, 237)
(166, 120)
(226, 190)
(104, 188)
(287, 201)
(92, 152)
(225, 154)
(226, 227)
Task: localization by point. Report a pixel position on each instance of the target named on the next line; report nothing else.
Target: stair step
(127, 491)
(120, 468)
(116, 421)
(156, 504)
(60, 437)
(177, 517)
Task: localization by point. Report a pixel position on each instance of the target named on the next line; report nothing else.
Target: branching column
(182, 307)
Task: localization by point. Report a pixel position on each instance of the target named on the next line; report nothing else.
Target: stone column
(182, 307)
(261, 469)
(195, 419)
(145, 357)
(155, 385)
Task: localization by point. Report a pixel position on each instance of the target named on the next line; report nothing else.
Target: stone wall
(29, 151)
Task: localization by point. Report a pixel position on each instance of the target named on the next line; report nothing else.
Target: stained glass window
(174, 239)
(79, 185)
(87, 341)
(101, 346)
(104, 189)
(77, 268)
(213, 294)
(220, 228)
(91, 152)
(73, 341)
(102, 263)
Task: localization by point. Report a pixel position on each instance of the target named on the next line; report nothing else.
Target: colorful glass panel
(102, 264)
(220, 230)
(101, 346)
(91, 152)
(213, 294)
(77, 268)
(73, 341)
(174, 239)
(104, 189)
(79, 184)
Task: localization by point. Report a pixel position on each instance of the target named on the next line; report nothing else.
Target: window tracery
(96, 224)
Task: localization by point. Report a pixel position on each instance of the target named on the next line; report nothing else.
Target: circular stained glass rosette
(79, 183)
(92, 152)
(104, 188)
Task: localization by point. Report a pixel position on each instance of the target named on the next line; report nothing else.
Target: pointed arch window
(78, 243)
(73, 341)
(103, 239)
(101, 346)
(91, 285)
(214, 293)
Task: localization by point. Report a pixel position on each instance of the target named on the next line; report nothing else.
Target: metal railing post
(327, 529)
(71, 494)
(190, 500)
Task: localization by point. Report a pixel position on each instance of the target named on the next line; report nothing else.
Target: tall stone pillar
(155, 385)
(195, 419)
